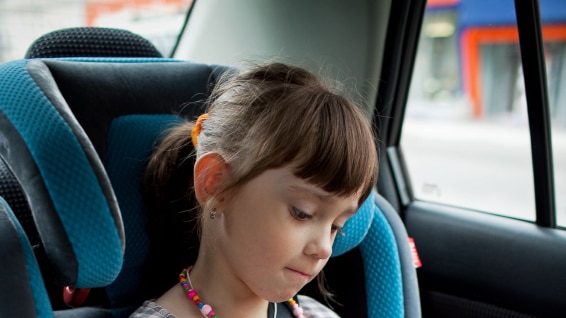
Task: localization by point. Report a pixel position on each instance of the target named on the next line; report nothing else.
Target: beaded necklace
(206, 310)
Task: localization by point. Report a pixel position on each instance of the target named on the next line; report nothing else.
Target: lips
(300, 273)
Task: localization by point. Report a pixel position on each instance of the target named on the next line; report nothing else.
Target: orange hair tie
(197, 129)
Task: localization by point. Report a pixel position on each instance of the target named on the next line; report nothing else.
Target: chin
(282, 295)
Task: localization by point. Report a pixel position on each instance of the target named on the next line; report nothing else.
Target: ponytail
(173, 208)
(170, 162)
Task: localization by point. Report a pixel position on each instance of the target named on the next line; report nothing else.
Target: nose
(320, 245)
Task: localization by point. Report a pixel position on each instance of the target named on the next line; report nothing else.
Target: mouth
(300, 274)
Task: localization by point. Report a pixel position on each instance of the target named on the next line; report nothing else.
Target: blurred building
(469, 55)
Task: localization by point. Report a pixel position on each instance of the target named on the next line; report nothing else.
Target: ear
(210, 174)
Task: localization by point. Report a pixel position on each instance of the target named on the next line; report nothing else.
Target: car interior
(83, 109)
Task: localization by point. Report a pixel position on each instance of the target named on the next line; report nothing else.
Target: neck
(218, 286)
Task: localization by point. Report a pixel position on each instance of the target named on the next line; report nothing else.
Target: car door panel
(490, 259)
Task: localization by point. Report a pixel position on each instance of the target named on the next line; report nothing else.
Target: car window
(466, 137)
(22, 22)
(554, 37)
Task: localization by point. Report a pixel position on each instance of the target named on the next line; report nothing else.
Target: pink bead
(211, 313)
(297, 311)
(206, 309)
(192, 293)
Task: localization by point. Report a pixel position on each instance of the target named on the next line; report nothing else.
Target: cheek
(259, 226)
(271, 238)
(268, 243)
(254, 217)
(253, 226)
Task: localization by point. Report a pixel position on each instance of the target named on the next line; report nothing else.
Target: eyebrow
(316, 192)
(322, 195)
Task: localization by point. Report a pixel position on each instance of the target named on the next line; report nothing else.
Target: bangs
(339, 154)
(325, 138)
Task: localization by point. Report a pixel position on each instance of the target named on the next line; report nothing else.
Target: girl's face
(276, 233)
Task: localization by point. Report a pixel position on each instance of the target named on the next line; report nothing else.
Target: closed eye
(338, 229)
(300, 215)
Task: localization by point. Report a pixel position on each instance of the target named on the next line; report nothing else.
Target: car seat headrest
(91, 42)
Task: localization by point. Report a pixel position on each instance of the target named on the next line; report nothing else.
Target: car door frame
(474, 261)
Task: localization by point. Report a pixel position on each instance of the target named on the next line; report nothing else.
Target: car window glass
(554, 37)
(465, 135)
(22, 22)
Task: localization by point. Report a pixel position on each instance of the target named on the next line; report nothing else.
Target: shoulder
(314, 309)
(150, 309)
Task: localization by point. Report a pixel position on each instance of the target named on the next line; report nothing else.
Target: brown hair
(274, 115)
(268, 117)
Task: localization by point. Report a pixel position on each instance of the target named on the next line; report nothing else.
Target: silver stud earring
(213, 213)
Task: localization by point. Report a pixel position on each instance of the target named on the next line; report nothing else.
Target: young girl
(281, 164)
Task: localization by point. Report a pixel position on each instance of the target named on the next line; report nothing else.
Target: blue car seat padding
(411, 297)
(379, 251)
(21, 287)
(71, 199)
(117, 110)
(356, 228)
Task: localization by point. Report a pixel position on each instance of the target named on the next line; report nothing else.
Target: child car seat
(110, 112)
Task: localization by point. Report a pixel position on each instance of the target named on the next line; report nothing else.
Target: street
(480, 165)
